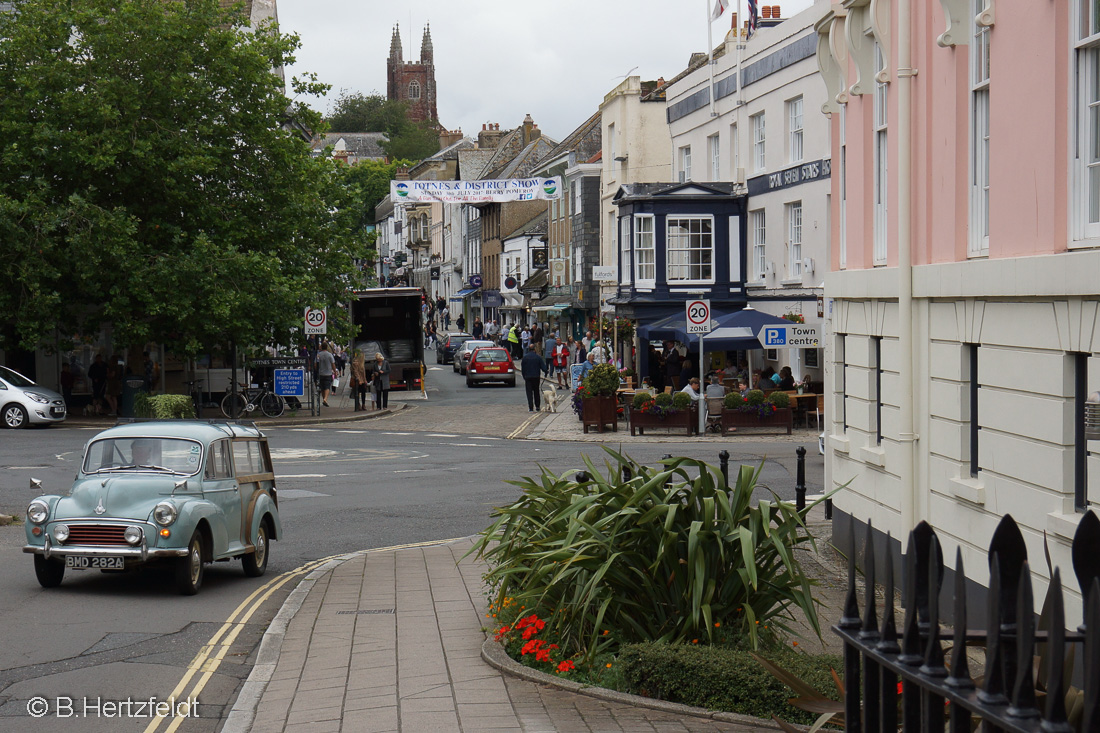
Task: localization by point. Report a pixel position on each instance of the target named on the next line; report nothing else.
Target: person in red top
(560, 358)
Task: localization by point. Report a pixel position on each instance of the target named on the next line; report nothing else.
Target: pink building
(963, 314)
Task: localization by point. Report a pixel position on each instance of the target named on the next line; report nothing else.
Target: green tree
(358, 112)
(146, 179)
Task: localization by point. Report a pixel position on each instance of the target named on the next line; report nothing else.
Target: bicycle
(236, 404)
(194, 389)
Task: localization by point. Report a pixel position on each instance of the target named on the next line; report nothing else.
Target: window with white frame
(685, 163)
(611, 143)
(978, 243)
(758, 223)
(714, 151)
(758, 158)
(414, 90)
(843, 192)
(689, 249)
(794, 239)
(1086, 184)
(735, 152)
(794, 129)
(624, 250)
(577, 198)
(645, 251)
(881, 151)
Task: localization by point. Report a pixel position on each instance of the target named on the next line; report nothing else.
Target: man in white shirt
(599, 353)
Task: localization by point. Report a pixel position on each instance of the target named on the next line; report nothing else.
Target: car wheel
(49, 571)
(189, 570)
(255, 563)
(454, 367)
(438, 359)
(512, 383)
(469, 382)
(15, 416)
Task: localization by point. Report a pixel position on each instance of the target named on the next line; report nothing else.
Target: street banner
(470, 192)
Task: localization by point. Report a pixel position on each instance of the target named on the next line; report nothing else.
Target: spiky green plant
(669, 554)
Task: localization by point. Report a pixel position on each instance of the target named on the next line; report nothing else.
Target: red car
(490, 364)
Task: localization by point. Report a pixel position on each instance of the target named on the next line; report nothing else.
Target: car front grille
(97, 534)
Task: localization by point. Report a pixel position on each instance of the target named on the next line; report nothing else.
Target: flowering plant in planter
(756, 403)
(795, 317)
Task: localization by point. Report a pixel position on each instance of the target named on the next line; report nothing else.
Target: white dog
(548, 400)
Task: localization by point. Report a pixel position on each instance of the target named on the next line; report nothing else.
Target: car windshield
(471, 345)
(159, 455)
(15, 379)
(484, 355)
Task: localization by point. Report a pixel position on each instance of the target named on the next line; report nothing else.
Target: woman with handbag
(359, 380)
(382, 380)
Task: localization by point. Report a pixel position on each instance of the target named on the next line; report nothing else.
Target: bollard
(800, 479)
(627, 474)
(828, 508)
(581, 477)
(724, 462)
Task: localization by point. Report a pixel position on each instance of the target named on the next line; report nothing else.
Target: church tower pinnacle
(426, 50)
(395, 45)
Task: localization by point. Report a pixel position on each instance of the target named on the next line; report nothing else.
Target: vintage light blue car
(171, 492)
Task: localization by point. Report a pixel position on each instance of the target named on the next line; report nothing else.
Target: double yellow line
(213, 652)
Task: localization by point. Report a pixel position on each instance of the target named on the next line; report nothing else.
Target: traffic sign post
(698, 321)
(316, 321)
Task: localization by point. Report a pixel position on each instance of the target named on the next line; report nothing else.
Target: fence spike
(1086, 561)
(993, 694)
(1091, 716)
(910, 633)
(888, 639)
(1055, 720)
(850, 618)
(933, 652)
(870, 614)
(959, 677)
(1023, 691)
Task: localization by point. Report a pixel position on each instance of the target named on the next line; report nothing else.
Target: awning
(549, 308)
(463, 294)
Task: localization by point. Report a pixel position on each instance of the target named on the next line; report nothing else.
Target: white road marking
(304, 430)
(396, 433)
(441, 435)
(299, 494)
(352, 432)
(300, 475)
(291, 453)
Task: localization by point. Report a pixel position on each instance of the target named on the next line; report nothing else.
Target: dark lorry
(389, 320)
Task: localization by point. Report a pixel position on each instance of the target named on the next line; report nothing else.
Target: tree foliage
(147, 180)
(358, 112)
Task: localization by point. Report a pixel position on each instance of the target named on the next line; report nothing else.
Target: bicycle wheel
(272, 405)
(233, 400)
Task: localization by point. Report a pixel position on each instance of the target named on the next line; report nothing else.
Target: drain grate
(364, 611)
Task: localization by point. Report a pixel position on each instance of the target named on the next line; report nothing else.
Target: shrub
(722, 678)
(164, 406)
(755, 397)
(667, 555)
(664, 400)
(640, 399)
(780, 399)
(603, 380)
(733, 401)
(681, 401)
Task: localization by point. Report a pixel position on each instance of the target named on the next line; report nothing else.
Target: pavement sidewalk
(393, 640)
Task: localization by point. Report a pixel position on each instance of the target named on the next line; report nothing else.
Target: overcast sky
(498, 61)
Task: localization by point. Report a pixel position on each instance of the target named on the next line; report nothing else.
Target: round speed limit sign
(698, 316)
(316, 320)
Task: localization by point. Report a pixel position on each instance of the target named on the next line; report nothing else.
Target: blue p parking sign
(775, 336)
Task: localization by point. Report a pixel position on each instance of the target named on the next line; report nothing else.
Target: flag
(754, 11)
(719, 8)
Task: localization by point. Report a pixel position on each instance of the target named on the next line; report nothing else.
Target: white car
(23, 403)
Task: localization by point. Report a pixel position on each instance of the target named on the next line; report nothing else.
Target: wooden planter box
(596, 412)
(686, 420)
(782, 420)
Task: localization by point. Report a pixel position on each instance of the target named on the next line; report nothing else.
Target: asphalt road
(432, 471)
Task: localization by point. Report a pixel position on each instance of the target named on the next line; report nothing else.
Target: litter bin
(130, 388)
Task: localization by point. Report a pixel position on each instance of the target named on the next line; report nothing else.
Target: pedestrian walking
(549, 345)
(326, 371)
(358, 382)
(461, 323)
(531, 367)
(382, 381)
(446, 313)
(478, 329)
(513, 341)
(561, 361)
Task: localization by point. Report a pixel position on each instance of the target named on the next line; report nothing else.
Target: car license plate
(57, 411)
(95, 562)
(490, 369)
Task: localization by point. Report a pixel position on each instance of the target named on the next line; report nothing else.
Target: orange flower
(609, 665)
(694, 641)
(606, 632)
(717, 624)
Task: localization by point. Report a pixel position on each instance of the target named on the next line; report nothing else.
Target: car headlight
(165, 513)
(61, 532)
(38, 511)
(133, 535)
(40, 399)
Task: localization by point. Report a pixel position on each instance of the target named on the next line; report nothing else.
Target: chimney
(528, 129)
(660, 82)
(489, 137)
(401, 174)
(775, 12)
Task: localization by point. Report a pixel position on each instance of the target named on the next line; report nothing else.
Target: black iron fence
(921, 679)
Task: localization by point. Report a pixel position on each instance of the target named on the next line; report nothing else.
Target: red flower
(543, 655)
(526, 621)
(532, 646)
(502, 631)
(566, 666)
(533, 629)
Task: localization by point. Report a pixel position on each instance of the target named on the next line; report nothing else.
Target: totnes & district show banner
(470, 192)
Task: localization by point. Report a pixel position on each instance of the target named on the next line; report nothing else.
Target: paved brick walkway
(391, 641)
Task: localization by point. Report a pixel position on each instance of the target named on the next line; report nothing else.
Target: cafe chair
(714, 414)
(819, 413)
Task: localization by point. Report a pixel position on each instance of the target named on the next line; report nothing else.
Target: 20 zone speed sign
(698, 316)
(316, 321)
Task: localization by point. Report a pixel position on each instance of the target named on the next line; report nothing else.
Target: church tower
(413, 83)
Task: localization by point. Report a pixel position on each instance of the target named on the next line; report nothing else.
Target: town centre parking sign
(795, 336)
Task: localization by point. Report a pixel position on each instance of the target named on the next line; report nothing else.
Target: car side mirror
(36, 484)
